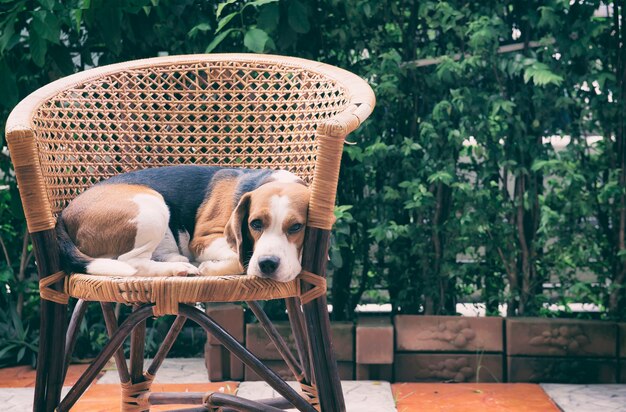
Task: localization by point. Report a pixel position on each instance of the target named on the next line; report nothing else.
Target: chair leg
(53, 324)
(137, 347)
(324, 365)
(322, 356)
(72, 332)
(115, 342)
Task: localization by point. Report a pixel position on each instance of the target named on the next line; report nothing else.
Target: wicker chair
(232, 110)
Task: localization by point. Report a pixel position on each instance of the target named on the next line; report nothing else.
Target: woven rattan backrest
(252, 114)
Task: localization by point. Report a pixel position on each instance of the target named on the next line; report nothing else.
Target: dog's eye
(295, 228)
(257, 225)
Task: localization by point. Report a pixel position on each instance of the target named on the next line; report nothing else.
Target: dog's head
(267, 229)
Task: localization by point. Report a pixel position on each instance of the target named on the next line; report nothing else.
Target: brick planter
(260, 345)
(220, 363)
(621, 328)
(448, 348)
(374, 348)
(561, 350)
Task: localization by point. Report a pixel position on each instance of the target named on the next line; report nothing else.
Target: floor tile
(19, 399)
(585, 398)
(467, 397)
(360, 396)
(24, 376)
(189, 370)
(106, 397)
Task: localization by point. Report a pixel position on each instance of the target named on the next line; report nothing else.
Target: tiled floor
(186, 375)
(471, 397)
(106, 397)
(360, 396)
(588, 398)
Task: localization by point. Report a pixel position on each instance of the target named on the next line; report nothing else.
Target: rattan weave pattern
(226, 113)
(167, 292)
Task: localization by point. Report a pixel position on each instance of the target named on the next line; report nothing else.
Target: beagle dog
(155, 222)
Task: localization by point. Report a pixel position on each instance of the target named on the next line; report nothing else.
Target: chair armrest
(23, 151)
(330, 137)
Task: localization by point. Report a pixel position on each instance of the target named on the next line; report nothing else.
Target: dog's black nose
(269, 264)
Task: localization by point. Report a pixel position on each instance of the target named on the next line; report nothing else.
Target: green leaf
(217, 40)
(541, 75)
(255, 40)
(6, 349)
(62, 58)
(46, 25)
(268, 17)
(257, 3)
(441, 176)
(8, 86)
(220, 7)
(7, 32)
(77, 17)
(202, 27)
(38, 47)
(47, 4)
(223, 22)
(297, 17)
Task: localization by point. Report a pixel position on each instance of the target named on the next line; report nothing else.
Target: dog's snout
(269, 264)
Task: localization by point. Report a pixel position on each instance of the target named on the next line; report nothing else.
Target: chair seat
(167, 292)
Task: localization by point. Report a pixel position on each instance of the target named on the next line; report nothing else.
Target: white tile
(586, 398)
(360, 396)
(175, 370)
(20, 399)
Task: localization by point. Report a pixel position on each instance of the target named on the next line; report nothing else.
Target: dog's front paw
(220, 268)
(181, 269)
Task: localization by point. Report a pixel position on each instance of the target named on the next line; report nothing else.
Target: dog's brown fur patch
(94, 216)
(213, 215)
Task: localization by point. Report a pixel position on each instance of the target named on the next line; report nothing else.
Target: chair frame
(315, 367)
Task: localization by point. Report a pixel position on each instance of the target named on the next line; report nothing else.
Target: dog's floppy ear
(237, 233)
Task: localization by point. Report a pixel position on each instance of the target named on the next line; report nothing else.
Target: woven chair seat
(167, 292)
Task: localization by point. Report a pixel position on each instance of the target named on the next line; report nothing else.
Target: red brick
(221, 364)
(561, 337)
(345, 370)
(561, 370)
(213, 362)
(374, 341)
(622, 342)
(451, 367)
(229, 316)
(374, 372)
(236, 368)
(448, 333)
(259, 344)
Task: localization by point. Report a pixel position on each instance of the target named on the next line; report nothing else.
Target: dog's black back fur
(184, 188)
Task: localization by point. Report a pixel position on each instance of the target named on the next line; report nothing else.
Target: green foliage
(451, 191)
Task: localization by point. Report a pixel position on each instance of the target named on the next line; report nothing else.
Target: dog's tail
(75, 261)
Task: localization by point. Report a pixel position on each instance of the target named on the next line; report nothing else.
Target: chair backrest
(235, 110)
